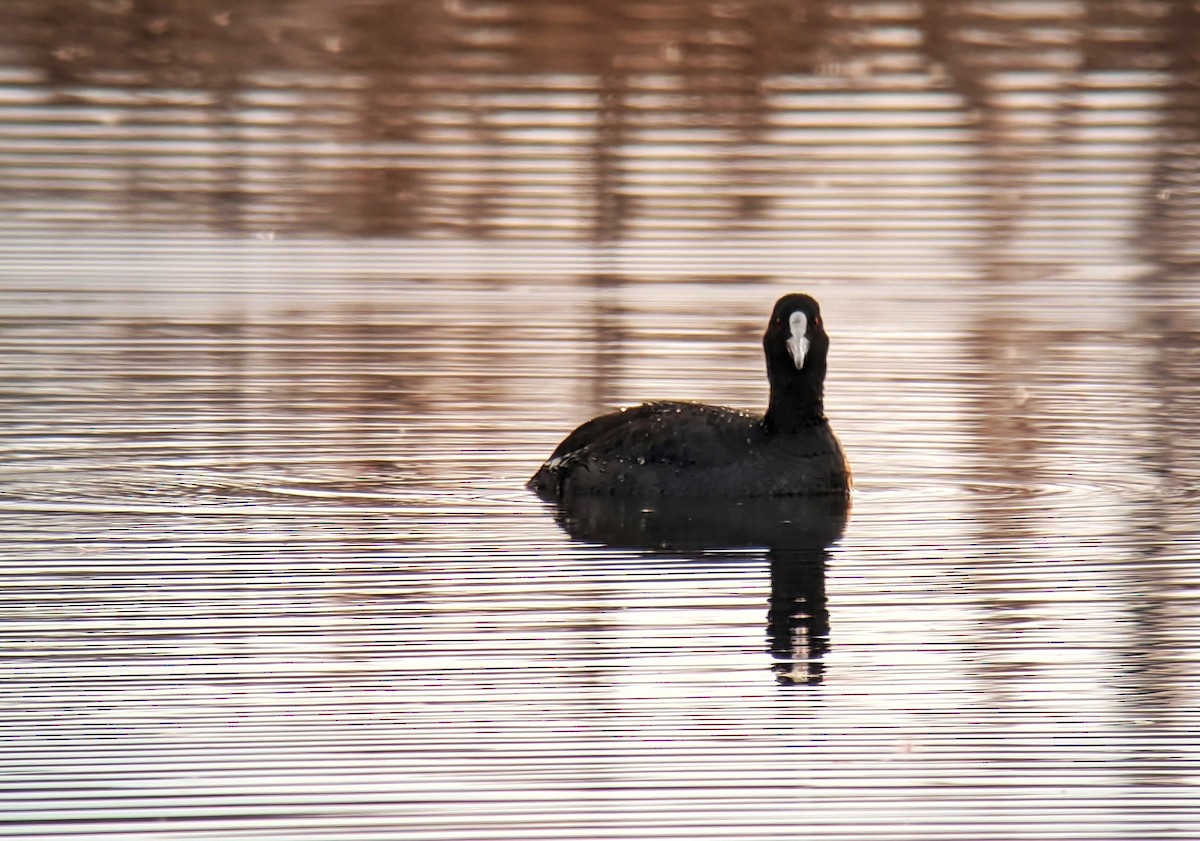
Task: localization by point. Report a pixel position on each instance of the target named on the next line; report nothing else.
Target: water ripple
(289, 315)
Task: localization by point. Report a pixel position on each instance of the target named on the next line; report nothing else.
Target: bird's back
(691, 449)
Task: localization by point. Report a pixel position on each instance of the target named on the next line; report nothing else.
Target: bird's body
(695, 450)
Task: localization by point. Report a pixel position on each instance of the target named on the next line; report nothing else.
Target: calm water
(291, 305)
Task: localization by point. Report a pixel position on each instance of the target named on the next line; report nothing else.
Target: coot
(691, 449)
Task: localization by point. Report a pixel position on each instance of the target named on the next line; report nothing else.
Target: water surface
(291, 306)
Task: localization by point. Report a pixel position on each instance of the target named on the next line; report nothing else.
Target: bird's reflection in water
(798, 618)
(795, 532)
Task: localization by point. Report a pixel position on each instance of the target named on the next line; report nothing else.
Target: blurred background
(971, 134)
(296, 294)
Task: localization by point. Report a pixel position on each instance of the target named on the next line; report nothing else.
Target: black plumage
(693, 449)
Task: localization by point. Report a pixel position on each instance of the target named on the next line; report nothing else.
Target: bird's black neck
(797, 397)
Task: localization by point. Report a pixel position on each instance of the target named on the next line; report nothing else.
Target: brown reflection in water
(1138, 450)
(1171, 224)
(1171, 377)
(385, 45)
(1003, 353)
(1010, 479)
(268, 395)
(974, 46)
(383, 118)
(1166, 513)
(1164, 517)
(608, 341)
(968, 67)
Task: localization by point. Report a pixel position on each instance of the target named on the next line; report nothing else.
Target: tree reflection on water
(594, 120)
